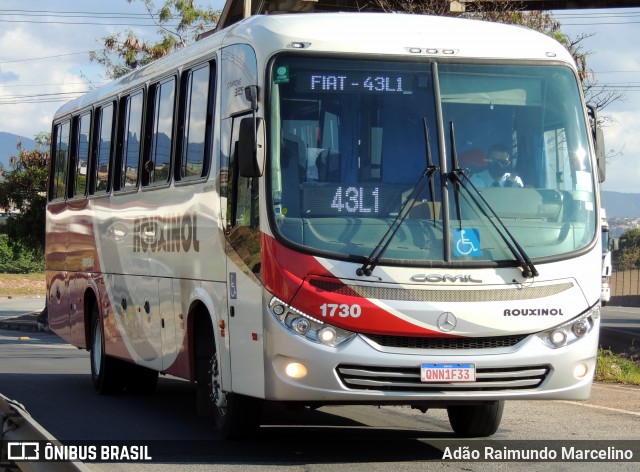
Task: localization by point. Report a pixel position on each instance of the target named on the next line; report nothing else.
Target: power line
(51, 85)
(603, 14)
(38, 101)
(48, 16)
(46, 57)
(73, 13)
(612, 23)
(3, 97)
(84, 23)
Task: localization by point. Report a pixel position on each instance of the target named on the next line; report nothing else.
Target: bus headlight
(571, 331)
(308, 327)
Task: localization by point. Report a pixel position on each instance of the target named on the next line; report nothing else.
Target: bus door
(244, 291)
(240, 207)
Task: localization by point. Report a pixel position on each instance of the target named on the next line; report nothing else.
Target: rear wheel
(104, 369)
(476, 421)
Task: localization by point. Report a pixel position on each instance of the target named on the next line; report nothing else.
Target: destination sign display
(375, 82)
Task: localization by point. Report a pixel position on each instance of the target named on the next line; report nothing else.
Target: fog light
(327, 335)
(580, 328)
(278, 310)
(295, 370)
(301, 325)
(558, 338)
(580, 371)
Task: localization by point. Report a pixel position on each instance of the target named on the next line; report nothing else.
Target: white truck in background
(608, 245)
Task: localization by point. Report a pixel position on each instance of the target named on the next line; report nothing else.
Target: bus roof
(393, 34)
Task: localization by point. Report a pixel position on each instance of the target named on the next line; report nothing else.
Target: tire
(234, 416)
(475, 421)
(104, 369)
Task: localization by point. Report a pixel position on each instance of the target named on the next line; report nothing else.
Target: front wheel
(476, 421)
(235, 416)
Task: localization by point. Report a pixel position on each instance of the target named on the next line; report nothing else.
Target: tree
(124, 51)
(628, 255)
(24, 191)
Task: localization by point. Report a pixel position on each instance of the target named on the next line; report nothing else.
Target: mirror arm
(251, 94)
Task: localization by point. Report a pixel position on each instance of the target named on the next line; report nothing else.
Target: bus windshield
(348, 145)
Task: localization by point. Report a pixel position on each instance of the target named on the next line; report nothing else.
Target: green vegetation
(15, 258)
(23, 194)
(628, 255)
(624, 369)
(23, 285)
(179, 23)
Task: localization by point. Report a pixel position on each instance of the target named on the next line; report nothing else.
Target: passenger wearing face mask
(499, 172)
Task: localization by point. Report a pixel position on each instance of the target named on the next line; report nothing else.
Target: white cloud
(615, 59)
(59, 71)
(623, 171)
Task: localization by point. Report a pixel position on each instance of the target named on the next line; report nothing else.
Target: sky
(45, 44)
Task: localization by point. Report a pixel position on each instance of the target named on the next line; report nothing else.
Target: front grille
(429, 293)
(407, 379)
(408, 342)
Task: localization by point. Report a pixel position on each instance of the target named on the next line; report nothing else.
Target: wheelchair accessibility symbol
(466, 242)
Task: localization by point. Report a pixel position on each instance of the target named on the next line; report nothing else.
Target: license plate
(448, 373)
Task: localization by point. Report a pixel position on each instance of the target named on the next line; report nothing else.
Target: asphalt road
(11, 307)
(52, 380)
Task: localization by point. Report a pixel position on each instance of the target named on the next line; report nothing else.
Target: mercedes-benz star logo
(447, 321)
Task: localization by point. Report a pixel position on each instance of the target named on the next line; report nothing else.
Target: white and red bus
(294, 209)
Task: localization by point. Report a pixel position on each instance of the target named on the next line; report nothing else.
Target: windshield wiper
(459, 177)
(425, 177)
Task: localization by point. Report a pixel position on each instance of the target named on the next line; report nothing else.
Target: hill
(8, 146)
(622, 205)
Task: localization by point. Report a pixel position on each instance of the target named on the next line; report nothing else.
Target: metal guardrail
(17, 425)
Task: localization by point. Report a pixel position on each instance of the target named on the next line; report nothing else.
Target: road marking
(598, 407)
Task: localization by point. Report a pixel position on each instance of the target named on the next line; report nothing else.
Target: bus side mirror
(600, 154)
(598, 138)
(251, 149)
(614, 244)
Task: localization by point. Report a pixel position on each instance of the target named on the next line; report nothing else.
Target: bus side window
(60, 162)
(130, 147)
(101, 162)
(81, 154)
(158, 159)
(197, 123)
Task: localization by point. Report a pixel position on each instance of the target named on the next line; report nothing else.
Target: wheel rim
(218, 397)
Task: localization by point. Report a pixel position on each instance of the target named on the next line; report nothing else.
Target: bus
(609, 245)
(605, 294)
(288, 210)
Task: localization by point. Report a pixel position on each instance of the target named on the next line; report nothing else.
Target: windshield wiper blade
(374, 258)
(459, 177)
(428, 173)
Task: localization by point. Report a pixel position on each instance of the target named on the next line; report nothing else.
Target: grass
(623, 369)
(23, 285)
